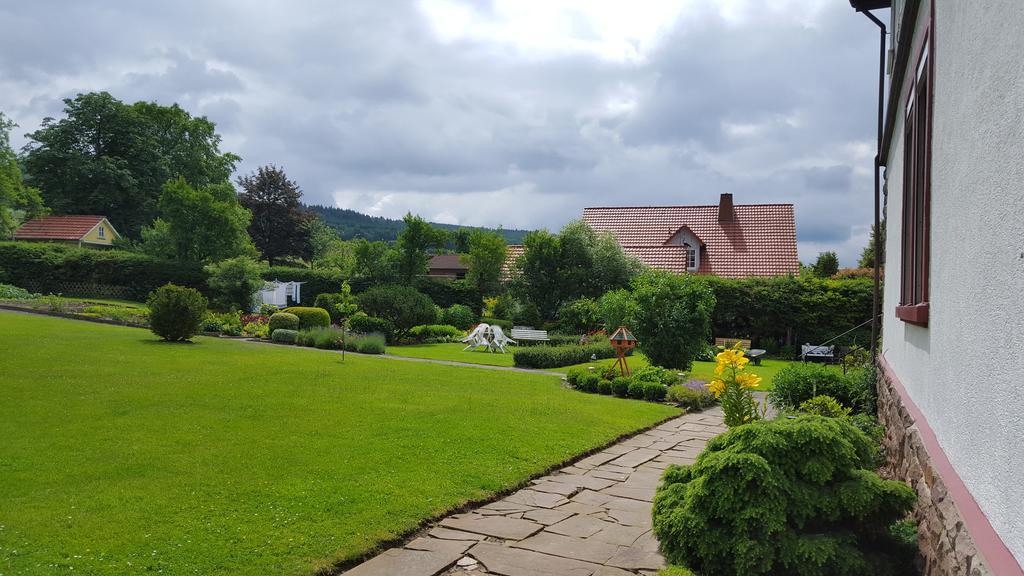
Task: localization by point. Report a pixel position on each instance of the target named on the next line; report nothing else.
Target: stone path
(589, 519)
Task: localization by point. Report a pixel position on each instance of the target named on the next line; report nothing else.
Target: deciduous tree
(18, 202)
(205, 224)
(486, 257)
(414, 244)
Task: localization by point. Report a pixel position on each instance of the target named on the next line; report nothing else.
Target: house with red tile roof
(727, 239)
(80, 230)
(447, 267)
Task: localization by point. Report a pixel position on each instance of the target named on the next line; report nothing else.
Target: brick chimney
(725, 210)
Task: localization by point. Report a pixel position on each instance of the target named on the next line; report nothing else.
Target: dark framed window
(917, 169)
(691, 257)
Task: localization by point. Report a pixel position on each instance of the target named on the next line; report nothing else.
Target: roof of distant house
(447, 262)
(59, 227)
(737, 241)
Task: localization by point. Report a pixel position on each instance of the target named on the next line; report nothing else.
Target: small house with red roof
(727, 239)
(447, 267)
(94, 231)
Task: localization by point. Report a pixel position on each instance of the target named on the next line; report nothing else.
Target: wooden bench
(823, 353)
(529, 334)
(754, 354)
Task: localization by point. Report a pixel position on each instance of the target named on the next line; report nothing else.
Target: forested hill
(351, 224)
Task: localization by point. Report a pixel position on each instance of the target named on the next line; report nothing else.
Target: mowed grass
(453, 352)
(121, 454)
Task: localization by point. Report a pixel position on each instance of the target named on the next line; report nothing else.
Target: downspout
(876, 296)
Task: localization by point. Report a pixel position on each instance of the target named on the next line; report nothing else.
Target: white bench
(809, 351)
(529, 334)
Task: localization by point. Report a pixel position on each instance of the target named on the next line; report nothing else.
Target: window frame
(915, 233)
(101, 232)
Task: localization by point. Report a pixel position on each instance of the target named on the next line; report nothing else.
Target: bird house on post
(622, 340)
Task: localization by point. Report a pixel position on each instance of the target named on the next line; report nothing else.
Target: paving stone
(608, 475)
(592, 498)
(621, 535)
(536, 499)
(449, 534)
(467, 561)
(580, 508)
(579, 526)
(626, 504)
(440, 545)
(611, 571)
(647, 542)
(674, 460)
(662, 445)
(556, 488)
(402, 562)
(569, 547)
(497, 526)
(617, 449)
(636, 559)
(596, 460)
(581, 481)
(639, 441)
(635, 458)
(614, 468)
(635, 493)
(547, 517)
(628, 518)
(520, 562)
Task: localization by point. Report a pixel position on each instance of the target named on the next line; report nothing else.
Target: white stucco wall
(966, 369)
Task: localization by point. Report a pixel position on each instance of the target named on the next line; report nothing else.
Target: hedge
(445, 293)
(310, 317)
(557, 356)
(64, 269)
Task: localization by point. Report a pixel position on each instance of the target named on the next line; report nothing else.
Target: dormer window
(691, 258)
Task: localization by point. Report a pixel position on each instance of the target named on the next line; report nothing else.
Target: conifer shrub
(176, 312)
(786, 496)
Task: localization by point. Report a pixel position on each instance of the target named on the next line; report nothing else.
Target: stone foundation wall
(945, 546)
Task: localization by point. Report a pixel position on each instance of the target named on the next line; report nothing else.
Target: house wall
(964, 371)
(93, 236)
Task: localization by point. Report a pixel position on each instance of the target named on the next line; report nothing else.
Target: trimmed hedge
(285, 320)
(310, 317)
(51, 268)
(445, 293)
(558, 356)
(284, 336)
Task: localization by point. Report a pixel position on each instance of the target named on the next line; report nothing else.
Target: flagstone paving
(592, 518)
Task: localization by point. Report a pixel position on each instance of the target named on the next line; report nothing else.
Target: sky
(511, 112)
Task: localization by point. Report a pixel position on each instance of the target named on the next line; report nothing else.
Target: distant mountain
(351, 224)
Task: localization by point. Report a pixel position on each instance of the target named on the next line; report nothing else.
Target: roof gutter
(899, 71)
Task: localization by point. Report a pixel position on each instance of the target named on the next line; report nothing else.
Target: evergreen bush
(310, 317)
(799, 382)
(285, 320)
(620, 386)
(284, 336)
(558, 356)
(459, 315)
(605, 387)
(176, 312)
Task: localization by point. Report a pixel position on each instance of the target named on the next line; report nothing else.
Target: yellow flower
(716, 387)
(748, 380)
(719, 370)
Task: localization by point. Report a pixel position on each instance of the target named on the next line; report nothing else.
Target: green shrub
(620, 386)
(671, 316)
(328, 338)
(369, 343)
(636, 389)
(656, 374)
(211, 323)
(824, 406)
(558, 356)
(654, 391)
(284, 336)
(787, 496)
(605, 387)
(459, 315)
(796, 383)
(430, 333)
(589, 382)
(579, 315)
(231, 323)
(310, 317)
(235, 282)
(573, 375)
(256, 329)
(285, 320)
(869, 425)
(9, 292)
(364, 324)
(690, 397)
(340, 306)
(175, 312)
(506, 325)
(446, 293)
(403, 306)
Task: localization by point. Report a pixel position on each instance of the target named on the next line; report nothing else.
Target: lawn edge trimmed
(339, 567)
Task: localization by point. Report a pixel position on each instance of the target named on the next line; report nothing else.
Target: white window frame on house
(691, 257)
(102, 232)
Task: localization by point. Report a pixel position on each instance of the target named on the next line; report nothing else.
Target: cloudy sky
(512, 112)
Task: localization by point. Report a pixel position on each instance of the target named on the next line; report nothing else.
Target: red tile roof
(57, 228)
(759, 241)
(512, 253)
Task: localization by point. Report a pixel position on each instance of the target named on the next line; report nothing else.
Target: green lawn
(121, 454)
(454, 352)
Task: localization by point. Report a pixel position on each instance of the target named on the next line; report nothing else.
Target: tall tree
(538, 279)
(203, 225)
(328, 250)
(867, 257)
(17, 201)
(280, 225)
(107, 157)
(414, 244)
(826, 265)
(376, 261)
(485, 258)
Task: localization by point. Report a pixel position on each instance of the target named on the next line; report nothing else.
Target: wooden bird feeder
(622, 340)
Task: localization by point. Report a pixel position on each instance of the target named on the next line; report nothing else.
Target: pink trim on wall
(989, 544)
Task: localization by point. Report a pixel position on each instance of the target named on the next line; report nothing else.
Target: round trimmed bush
(176, 312)
(589, 382)
(573, 375)
(824, 406)
(285, 320)
(654, 391)
(310, 317)
(620, 386)
(636, 389)
(284, 336)
(604, 387)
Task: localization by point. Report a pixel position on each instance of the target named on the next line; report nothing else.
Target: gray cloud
(367, 105)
